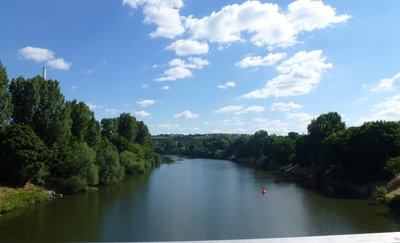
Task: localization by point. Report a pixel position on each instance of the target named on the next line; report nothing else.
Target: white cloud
(163, 13)
(252, 109)
(175, 73)
(227, 109)
(59, 63)
(285, 106)
(265, 22)
(298, 75)
(93, 106)
(388, 84)
(180, 68)
(227, 85)
(146, 103)
(271, 126)
(44, 55)
(307, 15)
(188, 47)
(36, 54)
(166, 87)
(303, 117)
(168, 126)
(229, 122)
(258, 61)
(111, 111)
(186, 114)
(389, 109)
(141, 113)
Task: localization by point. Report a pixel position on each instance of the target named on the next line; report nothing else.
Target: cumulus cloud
(389, 109)
(271, 126)
(163, 13)
(303, 117)
(186, 114)
(188, 47)
(257, 61)
(240, 109)
(284, 106)
(146, 103)
(388, 84)
(252, 109)
(298, 75)
(265, 22)
(141, 113)
(93, 106)
(227, 85)
(43, 55)
(166, 87)
(228, 109)
(167, 126)
(111, 111)
(307, 15)
(181, 68)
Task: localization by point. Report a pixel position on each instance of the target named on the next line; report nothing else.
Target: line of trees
(367, 153)
(59, 144)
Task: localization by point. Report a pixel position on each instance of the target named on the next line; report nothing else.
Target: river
(195, 199)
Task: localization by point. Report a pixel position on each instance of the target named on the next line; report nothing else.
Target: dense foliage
(59, 144)
(361, 154)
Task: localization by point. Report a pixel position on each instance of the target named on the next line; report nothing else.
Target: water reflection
(196, 199)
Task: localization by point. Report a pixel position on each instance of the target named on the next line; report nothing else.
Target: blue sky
(191, 66)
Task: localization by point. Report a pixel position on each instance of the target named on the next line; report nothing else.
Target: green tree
(127, 127)
(143, 136)
(93, 132)
(132, 163)
(107, 159)
(79, 170)
(40, 104)
(80, 118)
(393, 166)
(23, 155)
(318, 130)
(109, 127)
(6, 106)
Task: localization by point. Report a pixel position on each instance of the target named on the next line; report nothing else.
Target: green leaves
(23, 156)
(6, 106)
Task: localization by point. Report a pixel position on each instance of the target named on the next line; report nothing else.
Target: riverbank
(21, 197)
(367, 190)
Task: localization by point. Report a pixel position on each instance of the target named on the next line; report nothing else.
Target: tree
(318, 130)
(80, 118)
(109, 127)
(6, 106)
(143, 136)
(40, 104)
(127, 127)
(107, 159)
(132, 163)
(79, 170)
(23, 155)
(93, 132)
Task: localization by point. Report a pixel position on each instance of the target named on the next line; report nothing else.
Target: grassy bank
(20, 197)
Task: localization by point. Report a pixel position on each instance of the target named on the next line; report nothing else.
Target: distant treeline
(363, 154)
(59, 144)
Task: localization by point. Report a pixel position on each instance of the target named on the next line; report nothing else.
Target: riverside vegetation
(59, 145)
(330, 152)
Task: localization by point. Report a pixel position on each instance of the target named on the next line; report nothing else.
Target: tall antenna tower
(44, 73)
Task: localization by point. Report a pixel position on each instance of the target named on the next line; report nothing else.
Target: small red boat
(264, 190)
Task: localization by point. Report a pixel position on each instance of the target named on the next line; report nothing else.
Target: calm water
(195, 199)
